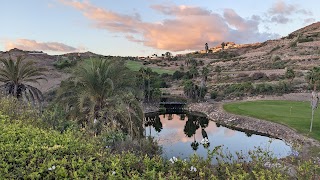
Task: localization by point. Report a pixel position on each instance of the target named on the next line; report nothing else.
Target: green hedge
(28, 152)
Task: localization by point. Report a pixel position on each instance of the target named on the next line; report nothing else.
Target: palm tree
(203, 86)
(134, 114)
(218, 70)
(313, 77)
(103, 92)
(16, 76)
(290, 74)
(145, 74)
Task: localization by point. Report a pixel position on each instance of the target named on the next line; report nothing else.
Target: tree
(223, 45)
(290, 74)
(203, 85)
(205, 73)
(218, 70)
(16, 76)
(168, 55)
(206, 47)
(314, 105)
(313, 77)
(187, 61)
(145, 74)
(103, 93)
(194, 72)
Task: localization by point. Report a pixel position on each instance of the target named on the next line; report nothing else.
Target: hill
(299, 50)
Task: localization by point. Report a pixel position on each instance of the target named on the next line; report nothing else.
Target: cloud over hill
(185, 28)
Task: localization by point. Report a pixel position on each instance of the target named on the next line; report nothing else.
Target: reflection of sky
(176, 143)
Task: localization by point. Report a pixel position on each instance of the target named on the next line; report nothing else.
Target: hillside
(299, 50)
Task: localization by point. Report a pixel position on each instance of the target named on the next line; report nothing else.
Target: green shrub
(177, 75)
(64, 63)
(307, 39)
(18, 109)
(264, 89)
(213, 94)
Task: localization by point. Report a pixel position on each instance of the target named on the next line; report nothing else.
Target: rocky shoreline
(216, 113)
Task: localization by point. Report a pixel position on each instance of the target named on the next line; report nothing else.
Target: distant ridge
(310, 28)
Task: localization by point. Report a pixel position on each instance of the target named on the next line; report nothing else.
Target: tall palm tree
(145, 74)
(16, 76)
(313, 77)
(103, 92)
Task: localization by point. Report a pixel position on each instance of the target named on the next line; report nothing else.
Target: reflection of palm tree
(205, 136)
(194, 144)
(203, 121)
(248, 133)
(204, 133)
(191, 126)
(154, 121)
(207, 145)
(182, 117)
(157, 124)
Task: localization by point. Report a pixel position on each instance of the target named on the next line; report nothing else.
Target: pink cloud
(105, 19)
(309, 20)
(229, 132)
(240, 23)
(280, 7)
(280, 12)
(31, 45)
(181, 10)
(189, 28)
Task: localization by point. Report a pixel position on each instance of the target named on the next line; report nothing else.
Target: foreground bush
(28, 152)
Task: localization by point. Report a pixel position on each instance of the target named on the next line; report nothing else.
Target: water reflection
(185, 133)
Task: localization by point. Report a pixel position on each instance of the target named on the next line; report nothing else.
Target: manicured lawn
(135, 66)
(294, 114)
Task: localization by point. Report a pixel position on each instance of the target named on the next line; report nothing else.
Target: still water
(182, 135)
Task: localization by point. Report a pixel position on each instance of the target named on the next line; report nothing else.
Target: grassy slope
(279, 111)
(135, 66)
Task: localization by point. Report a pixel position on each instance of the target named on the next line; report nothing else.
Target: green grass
(294, 114)
(135, 66)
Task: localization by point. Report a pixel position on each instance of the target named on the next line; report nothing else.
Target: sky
(146, 27)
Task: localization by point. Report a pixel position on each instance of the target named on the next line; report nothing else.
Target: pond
(184, 134)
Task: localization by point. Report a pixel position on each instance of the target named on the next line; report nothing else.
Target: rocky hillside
(299, 50)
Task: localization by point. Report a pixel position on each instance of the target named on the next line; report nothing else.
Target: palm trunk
(149, 90)
(15, 90)
(131, 131)
(311, 119)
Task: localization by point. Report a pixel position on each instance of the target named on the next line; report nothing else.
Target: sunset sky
(145, 27)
